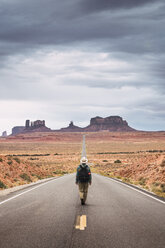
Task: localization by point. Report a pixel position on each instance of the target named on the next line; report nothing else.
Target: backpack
(84, 174)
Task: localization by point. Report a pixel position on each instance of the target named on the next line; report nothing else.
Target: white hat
(84, 160)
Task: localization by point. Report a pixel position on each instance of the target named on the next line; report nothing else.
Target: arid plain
(133, 157)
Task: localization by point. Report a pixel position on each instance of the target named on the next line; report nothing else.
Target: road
(117, 217)
(83, 154)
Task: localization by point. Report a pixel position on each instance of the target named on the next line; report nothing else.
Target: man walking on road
(83, 179)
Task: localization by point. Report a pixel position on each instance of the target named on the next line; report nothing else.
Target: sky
(72, 60)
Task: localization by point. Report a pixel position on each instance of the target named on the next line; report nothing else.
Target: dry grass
(23, 160)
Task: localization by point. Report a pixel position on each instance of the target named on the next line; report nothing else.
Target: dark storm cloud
(28, 26)
(97, 5)
(31, 23)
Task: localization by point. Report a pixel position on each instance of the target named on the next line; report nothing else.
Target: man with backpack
(83, 179)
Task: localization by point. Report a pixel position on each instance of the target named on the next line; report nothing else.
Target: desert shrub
(126, 180)
(35, 175)
(2, 185)
(22, 155)
(118, 177)
(156, 184)
(163, 187)
(117, 161)
(38, 165)
(7, 174)
(163, 163)
(25, 177)
(1, 160)
(156, 151)
(146, 187)
(17, 160)
(158, 190)
(15, 180)
(26, 155)
(115, 152)
(105, 160)
(56, 172)
(10, 162)
(142, 181)
(48, 176)
(60, 172)
(39, 177)
(37, 155)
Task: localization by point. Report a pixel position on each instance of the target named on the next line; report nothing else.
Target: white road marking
(136, 190)
(27, 191)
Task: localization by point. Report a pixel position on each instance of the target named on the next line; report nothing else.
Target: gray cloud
(29, 24)
(55, 52)
(96, 5)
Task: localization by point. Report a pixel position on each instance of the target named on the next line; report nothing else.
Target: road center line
(81, 222)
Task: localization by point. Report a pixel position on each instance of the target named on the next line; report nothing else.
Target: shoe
(82, 202)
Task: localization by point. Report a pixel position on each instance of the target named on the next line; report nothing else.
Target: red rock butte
(111, 123)
(97, 124)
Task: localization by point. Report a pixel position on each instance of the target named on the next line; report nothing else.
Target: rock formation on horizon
(38, 126)
(111, 123)
(35, 126)
(97, 124)
(4, 134)
(17, 130)
(71, 128)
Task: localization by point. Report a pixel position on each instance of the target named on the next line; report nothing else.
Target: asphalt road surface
(83, 154)
(117, 217)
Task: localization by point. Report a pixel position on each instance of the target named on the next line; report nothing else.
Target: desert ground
(133, 157)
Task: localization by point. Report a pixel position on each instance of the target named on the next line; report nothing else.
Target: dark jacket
(78, 172)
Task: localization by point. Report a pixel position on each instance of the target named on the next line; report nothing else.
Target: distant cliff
(36, 126)
(17, 130)
(97, 124)
(111, 123)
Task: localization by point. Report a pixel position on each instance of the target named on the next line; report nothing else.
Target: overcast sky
(77, 59)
